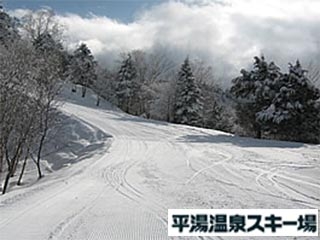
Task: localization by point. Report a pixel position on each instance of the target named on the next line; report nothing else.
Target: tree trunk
(1, 161)
(39, 170)
(98, 101)
(84, 90)
(39, 154)
(258, 134)
(74, 88)
(2, 154)
(43, 137)
(16, 161)
(168, 109)
(22, 170)
(6, 182)
(7, 179)
(127, 106)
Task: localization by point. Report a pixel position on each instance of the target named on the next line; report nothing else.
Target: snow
(123, 189)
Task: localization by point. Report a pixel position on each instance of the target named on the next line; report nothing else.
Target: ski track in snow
(125, 192)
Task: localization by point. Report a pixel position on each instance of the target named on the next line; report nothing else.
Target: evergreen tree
(254, 91)
(83, 68)
(188, 107)
(46, 45)
(8, 28)
(126, 88)
(294, 111)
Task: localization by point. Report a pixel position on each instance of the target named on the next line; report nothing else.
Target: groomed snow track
(125, 191)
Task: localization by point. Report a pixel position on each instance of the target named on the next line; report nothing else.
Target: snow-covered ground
(124, 188)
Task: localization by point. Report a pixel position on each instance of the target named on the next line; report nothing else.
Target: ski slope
(124, 190)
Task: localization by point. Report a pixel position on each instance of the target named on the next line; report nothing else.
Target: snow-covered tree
(212, 110)
(102, 86)
(214, 115)
(83, 68)
(277, 105)
(42, 22)
(152, 71)
(162, 107)
(46, 43)
(29, 84)
(140, 96)
(31, 75)
(15, 84)
(294, 111)
(188, 98)
(254, 90)
(126, 86)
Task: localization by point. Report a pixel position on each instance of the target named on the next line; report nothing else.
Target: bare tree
(29, 83)
(48, 84)
(16, 80)
(41, 22)
(152, 70)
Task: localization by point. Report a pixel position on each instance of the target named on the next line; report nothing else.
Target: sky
(122, 10)
(226, 34)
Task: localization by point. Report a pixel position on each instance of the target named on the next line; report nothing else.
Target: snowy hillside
(124, 185)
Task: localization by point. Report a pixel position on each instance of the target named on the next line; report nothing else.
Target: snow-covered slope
(124, 191)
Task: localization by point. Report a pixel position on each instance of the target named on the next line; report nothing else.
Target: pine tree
(254, 91)
(188, 103)
(83, 68)
(8, 28)
(294, 111)
(126, 87)
(46, 45)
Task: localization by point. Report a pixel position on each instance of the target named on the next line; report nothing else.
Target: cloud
(19, 13)
(226, 34)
